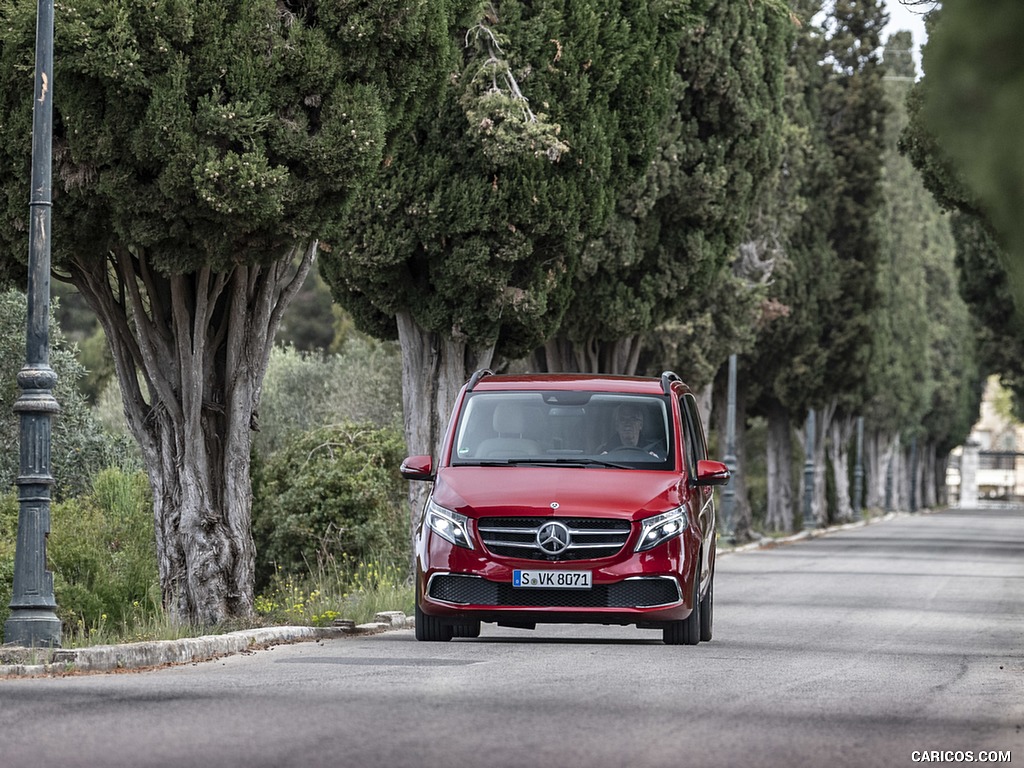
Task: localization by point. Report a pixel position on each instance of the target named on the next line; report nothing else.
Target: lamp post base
(32, 628)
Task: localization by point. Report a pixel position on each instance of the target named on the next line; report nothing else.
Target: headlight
(660, 528)
(450, 526)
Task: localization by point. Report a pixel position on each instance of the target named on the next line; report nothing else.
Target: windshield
(569, 428)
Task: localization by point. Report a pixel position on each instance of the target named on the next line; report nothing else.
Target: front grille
(591, 537)
(641, 592)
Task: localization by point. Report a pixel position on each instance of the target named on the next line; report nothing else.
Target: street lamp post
(809, 520)
(33, 620)
(729, 492)
(858, 469)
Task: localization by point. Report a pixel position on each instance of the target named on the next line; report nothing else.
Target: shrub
(331, 494)
(102, 552)
(356, 591)
(302, 390)
(8, 531)
(79, 447)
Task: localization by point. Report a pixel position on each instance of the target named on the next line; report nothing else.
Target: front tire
(687, 631)
(431, 628)
(707, 610)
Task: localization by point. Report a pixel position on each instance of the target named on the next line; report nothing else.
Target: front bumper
(633, 588)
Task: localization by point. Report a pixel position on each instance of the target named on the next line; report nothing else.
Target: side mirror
(711, 473)
(417, 468)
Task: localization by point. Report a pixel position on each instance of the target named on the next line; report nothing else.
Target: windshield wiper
(543, 461)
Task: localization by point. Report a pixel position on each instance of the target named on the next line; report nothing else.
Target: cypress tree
(663, 252)
(853, 113)
(973, 106)
(468, 243)
(199, 149)
(786, 367)
(981, 258)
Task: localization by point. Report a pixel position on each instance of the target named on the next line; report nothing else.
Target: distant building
(996, 440)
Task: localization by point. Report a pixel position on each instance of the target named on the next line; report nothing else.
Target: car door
(697, 450)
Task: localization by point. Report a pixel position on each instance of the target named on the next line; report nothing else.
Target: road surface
(895, 644)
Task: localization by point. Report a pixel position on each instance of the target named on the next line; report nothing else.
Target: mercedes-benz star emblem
(553, 538)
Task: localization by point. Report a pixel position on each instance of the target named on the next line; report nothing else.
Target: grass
(332, 591)
(355, 592)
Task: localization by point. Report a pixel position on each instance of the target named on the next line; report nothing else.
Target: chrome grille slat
(592, 538)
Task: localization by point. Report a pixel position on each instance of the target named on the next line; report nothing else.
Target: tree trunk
(822, 426)
(839, 453)
(779, 516)
(938, 477)
(742, 522)
(931, 491)
(434, 368)
(622, 356)
(879, 454)
(894, 478)
(190, 352)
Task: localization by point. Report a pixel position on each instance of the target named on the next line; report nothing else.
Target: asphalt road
(866, 647)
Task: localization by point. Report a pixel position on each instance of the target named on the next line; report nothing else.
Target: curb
(36, 662)
(812, 533)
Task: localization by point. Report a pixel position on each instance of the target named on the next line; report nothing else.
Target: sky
(900, 18)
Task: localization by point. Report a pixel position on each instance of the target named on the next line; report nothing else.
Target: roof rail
(666, 381)
(475, 378)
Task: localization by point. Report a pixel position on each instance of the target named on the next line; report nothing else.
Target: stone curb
(27, 662)
(814, 533)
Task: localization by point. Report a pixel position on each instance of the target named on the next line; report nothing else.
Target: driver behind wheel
(629, 424)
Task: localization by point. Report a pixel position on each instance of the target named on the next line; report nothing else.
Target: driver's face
(628, 426)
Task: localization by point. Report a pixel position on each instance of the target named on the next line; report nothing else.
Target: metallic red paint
(524, 489)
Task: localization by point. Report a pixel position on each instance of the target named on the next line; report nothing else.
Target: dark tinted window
(696, 445)
(632, 430)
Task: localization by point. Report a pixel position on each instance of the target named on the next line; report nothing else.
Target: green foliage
(674, 231)
(309, 321)
(973, 106)
(900, 388)
(80, 447)
(997, 343)
(207, 132)
(853, 104)
(787, 364)
(496, 109)
(303, 390)
(924, 373)
(76, 320)
(94, 354)
(331, 493)
(475, 228)
(8, 535)
(350, 590)
(102, 553)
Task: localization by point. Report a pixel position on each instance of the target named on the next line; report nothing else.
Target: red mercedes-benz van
(568, 498)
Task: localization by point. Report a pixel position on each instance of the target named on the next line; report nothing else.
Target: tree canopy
(201, 149)
(973, 105)
(984, 265)
(673, 232)
(477, 232)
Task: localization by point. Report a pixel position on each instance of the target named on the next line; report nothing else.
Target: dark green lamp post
(33, 621)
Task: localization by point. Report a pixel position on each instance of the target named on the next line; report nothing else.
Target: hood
(585, 492)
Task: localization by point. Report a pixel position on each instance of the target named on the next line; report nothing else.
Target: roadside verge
(27, 662)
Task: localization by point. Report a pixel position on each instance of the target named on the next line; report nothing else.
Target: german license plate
(552, 579)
